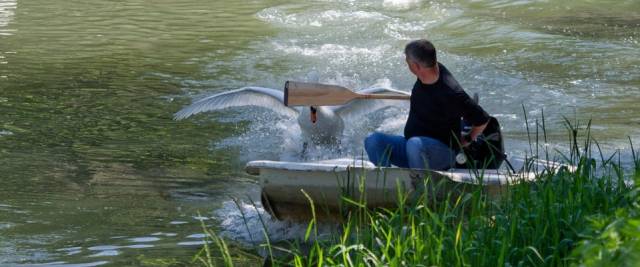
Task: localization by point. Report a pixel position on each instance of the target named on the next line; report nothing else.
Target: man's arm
(473, 134)
(474, 114)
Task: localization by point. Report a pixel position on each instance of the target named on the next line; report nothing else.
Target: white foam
(164, 234)
(350, 16)
(199, 236)
(278, 16)
(250, 230)
(400, 4)
(201, 218)
(71, 250)
(393, 125)
(106, 253)
(508, 116)
(193, 243)
(266, 137)
(104, 247)
(336, 53)
(407, 30)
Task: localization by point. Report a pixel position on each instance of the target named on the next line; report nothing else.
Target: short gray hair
(422, 52)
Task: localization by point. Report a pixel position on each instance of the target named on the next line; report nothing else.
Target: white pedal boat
(329, 182)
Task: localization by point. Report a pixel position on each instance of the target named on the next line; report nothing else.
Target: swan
(318, 124)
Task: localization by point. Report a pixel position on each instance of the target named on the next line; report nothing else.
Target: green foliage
(614, 240)
(611, 241)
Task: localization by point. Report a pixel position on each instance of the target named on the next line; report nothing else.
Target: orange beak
(314, 116)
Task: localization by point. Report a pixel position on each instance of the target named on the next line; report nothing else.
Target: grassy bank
(584, 217)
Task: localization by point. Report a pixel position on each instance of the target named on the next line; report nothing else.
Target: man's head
(422, 61)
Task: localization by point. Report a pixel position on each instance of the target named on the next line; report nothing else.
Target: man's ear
(415, 67)
(418, 66)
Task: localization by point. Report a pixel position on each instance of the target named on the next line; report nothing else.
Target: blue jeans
(418, 152)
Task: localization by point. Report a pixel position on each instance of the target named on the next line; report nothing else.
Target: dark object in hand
(487, 151)
(467, 138)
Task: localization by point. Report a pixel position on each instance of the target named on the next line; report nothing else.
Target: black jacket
(436, 110)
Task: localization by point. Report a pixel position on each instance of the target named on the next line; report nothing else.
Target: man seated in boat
(432, 134)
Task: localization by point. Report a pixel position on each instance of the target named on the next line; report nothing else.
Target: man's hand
(473, 134)
(466, 140)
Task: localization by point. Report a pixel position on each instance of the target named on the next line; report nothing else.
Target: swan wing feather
(247, 96)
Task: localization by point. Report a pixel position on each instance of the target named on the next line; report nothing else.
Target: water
(94, 171)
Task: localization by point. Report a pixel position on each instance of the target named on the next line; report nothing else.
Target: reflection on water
(7, 11)
(94, 171)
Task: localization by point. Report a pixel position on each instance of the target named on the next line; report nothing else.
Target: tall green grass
(584, 217)
(614, 239)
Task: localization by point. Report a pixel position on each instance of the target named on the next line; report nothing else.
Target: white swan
(327, 126)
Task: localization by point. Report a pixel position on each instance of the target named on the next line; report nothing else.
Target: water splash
(269, 136)
(242, 221)
(401, 4)
(332, 17)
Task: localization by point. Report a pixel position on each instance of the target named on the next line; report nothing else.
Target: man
(432, 132)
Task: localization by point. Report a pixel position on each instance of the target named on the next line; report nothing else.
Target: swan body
(328, 127)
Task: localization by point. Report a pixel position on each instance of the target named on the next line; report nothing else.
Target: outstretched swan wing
(247, 96)
(360, 107)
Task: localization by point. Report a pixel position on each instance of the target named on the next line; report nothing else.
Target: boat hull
(337, 186)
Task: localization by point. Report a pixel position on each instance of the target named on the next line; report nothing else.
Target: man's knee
(414, 144)
(372, 140)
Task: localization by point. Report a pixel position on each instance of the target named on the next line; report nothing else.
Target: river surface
(94, 170)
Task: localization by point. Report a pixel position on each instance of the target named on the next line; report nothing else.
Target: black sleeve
(471, 111)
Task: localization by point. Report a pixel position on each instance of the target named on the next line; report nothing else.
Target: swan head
(321, 123)
(314, 114)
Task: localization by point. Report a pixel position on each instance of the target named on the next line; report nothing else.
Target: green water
(94, 158)
(93, 170)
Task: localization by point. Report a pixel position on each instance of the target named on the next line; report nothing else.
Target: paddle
(316, 94)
